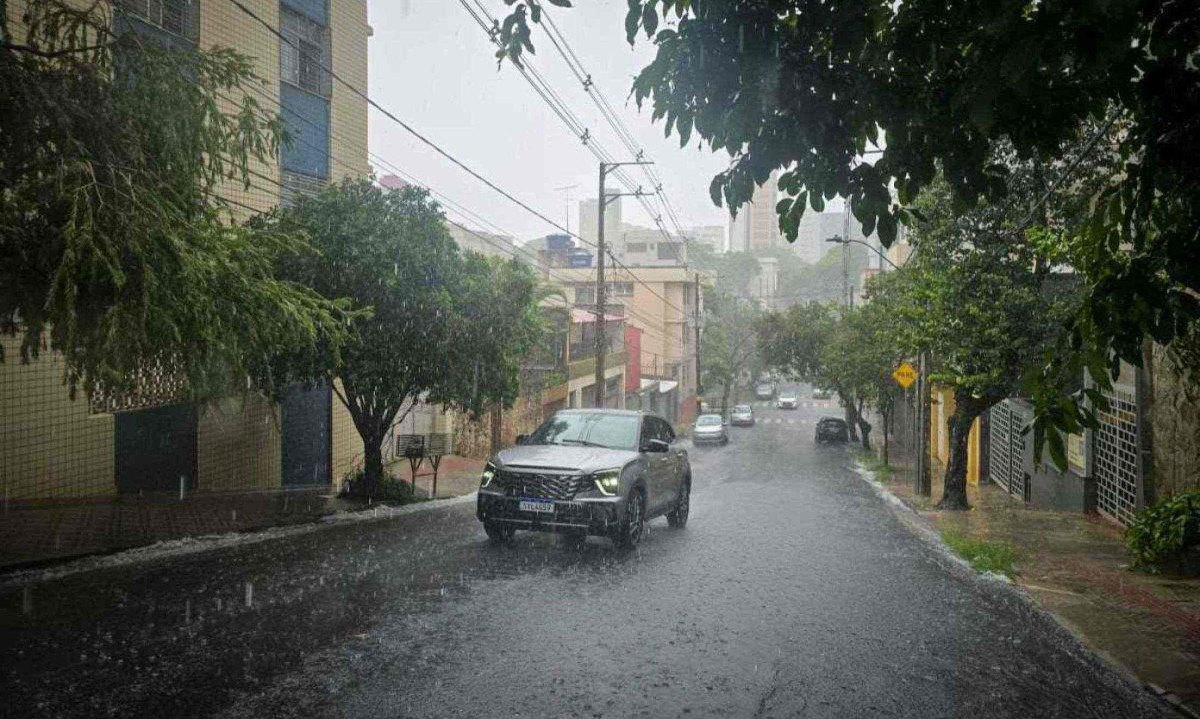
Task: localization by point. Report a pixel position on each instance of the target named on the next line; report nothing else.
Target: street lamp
(874, 249)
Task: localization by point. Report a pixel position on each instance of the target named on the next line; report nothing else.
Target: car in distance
(820, 393)
(587, 472)
(709, 429)
(742, 416)
(832, 429)
(787, 400)
(764, 390)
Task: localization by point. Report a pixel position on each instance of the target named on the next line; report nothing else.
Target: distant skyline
(434, 68)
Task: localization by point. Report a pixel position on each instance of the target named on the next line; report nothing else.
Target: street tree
(430, 324)
(390, 253)
(807, 87)
(117, 247)
(984, 308)
(730, 342)
(497, 325)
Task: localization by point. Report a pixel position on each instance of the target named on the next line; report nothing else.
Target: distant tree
(729, 342)
(496, 324)
(117, 247)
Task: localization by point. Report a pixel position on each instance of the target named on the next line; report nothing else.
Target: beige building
(661, 301)
(56, 447)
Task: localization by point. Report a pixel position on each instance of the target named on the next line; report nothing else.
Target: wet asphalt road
(793, 592)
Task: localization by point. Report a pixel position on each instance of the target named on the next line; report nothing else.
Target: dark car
(588, 472)
(832, 429)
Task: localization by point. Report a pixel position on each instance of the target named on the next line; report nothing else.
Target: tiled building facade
(56, 447)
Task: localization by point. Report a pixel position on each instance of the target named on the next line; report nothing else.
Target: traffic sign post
(905, 375)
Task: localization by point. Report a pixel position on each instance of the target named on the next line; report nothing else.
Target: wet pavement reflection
(794, 591)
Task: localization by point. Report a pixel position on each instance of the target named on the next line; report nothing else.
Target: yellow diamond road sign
(905, 375)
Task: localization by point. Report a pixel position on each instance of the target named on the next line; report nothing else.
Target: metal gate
(1006, 466)
(306, 436)
(155, 447)
(1115, 455)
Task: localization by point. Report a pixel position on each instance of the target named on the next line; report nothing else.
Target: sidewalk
(32, 533)
(456, 476)
(1075, 566)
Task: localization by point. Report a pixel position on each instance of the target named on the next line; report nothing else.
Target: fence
(1006, 445)
(1115, 457)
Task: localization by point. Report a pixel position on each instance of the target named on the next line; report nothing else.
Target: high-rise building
(588, 219)
(756, 226)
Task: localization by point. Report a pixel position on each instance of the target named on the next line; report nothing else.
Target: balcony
(586, 367)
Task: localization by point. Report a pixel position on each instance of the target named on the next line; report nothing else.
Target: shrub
(1163, 531)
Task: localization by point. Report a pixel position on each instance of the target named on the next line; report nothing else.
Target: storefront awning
(648, 383)
(665, 386)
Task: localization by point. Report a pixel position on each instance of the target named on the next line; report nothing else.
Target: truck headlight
(608, 481)
(489, 473)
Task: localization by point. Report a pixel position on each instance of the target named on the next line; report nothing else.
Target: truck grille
(543, 486)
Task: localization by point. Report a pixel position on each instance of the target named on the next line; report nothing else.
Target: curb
(187, 546)
(923, 528)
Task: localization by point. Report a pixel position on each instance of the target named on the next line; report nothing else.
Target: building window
(636, 248)
(305, 54)
(178, 17)
(623, 289)
(668, 251)
(306, 117)
(585, 295)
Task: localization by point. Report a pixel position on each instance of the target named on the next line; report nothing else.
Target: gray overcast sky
(433, 67)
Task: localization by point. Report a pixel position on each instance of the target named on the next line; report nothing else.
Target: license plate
(536, 505)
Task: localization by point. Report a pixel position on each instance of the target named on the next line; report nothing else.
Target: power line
(543, 88)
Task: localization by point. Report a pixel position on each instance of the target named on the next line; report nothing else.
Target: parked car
(787, 400)
(820, 393)
(742, 416)
(764, 390)
(832, 429)
(587, 472)
(709, 429)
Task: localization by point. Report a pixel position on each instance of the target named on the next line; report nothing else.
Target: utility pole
(602, 200)
(696, 320)
(846, 257)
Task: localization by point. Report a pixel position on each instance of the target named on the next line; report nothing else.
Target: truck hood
(562, 458)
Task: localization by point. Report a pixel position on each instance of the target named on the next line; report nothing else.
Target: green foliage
(433, 324)
(808, 86)
(116, 246)
(729, 344)
(983, 556)
(1164, 530)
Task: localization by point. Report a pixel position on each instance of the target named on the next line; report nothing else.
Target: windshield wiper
(582, 442)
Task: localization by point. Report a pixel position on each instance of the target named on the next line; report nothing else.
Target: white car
(787, 401)
(709, 428)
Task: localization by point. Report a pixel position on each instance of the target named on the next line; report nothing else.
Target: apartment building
(56, 447)
(661, 302)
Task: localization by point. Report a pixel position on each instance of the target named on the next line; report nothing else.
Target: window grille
(179, 17)
(305, 53)
(1116, 457)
